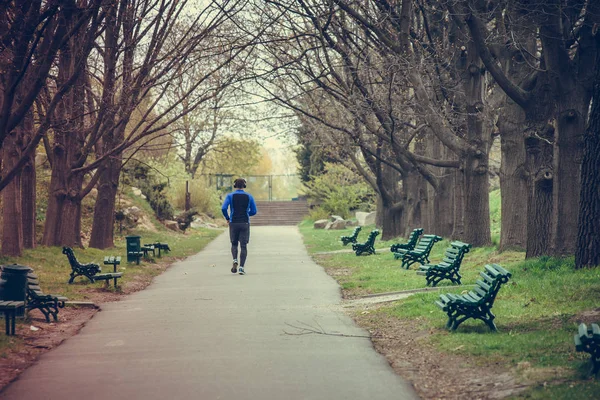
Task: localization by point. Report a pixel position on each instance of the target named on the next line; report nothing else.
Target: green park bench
(10, 309)
(90, 271)
(351, 238)
(112, 260)
(588, 340)
(420, 253)
(367, 247)
(412, 241)
(146, 249)
(161, 247)
(448, 268)
(48, 304)
(476, 304)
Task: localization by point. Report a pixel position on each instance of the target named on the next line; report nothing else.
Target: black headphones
(239, 183)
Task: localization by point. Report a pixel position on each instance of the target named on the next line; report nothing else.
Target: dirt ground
(435, 375)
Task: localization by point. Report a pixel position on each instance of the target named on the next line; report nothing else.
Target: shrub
(145, 178)
(339, 190)
(203, 198)
(317, 213)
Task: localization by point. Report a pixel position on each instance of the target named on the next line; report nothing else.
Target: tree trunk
(392, 221)
(63, 216)
(539, 200)
(513, 178)
(477, 203)
(28, 189)
(104, 211)
(458, 229)
(443, 217)
(12, 233)
(587, 251)
(413, 186)
(567, 172)
(393, 224)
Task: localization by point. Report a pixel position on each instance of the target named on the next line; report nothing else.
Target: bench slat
(596, 332)
(483, 285)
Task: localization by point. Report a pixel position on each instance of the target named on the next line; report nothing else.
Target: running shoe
(242, 271)
(235, 265)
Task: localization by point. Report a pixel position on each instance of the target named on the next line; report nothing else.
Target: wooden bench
(420, 253)
(412, 241)
(146, 249)
(352, 238)
(10, 309)
(107, 277)
(448, 268)
(48, 304)
(78, 269)
(588, 340)
(478, 302)
(90, 271)
(367, 247)
(161, 246)
(112, 260)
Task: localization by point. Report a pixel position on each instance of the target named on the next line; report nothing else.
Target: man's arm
(252, 206)
(225, 206)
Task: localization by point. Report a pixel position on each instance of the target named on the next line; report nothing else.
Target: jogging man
(242, 207)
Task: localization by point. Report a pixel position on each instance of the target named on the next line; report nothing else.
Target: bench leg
(10, 318)
(7, 322)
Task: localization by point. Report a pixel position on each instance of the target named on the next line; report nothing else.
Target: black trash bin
(133, 244)
(13, 284)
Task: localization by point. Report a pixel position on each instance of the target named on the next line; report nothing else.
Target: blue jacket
(242, 206)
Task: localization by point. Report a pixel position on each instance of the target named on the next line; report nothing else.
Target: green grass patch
(537, 311)
(321, 240)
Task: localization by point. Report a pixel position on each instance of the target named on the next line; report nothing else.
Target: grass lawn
(537, 311)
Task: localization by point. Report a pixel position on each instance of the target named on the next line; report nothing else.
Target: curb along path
(201, 332)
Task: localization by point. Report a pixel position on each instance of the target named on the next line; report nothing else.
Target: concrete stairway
(279, 213)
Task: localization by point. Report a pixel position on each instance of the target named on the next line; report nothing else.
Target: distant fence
(262, 187)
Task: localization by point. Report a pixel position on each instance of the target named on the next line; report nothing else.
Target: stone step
(282, 213)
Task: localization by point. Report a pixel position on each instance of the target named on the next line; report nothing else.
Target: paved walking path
(201, 332)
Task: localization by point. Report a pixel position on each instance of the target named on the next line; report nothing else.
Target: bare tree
(34, 32)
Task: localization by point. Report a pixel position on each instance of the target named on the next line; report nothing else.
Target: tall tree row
(421, 89)
(74, 73)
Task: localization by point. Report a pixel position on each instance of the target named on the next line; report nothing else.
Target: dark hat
(239, 183)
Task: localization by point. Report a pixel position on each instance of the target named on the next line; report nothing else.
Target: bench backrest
(587, 337)
(76, 265)
(356, 231)
(455, 253)
(71, 256)
(492, 278)
(414, 237)
(426, 243)
(33, 285)
(371, 239)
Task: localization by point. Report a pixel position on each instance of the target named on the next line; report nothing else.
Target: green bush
(203, 197)
(317, 213)
(148, 181)
(339, 191)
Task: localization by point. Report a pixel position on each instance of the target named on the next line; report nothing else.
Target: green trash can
(133, 244)
(13, 284)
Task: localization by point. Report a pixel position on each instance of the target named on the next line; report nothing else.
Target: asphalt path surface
(201, 332)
